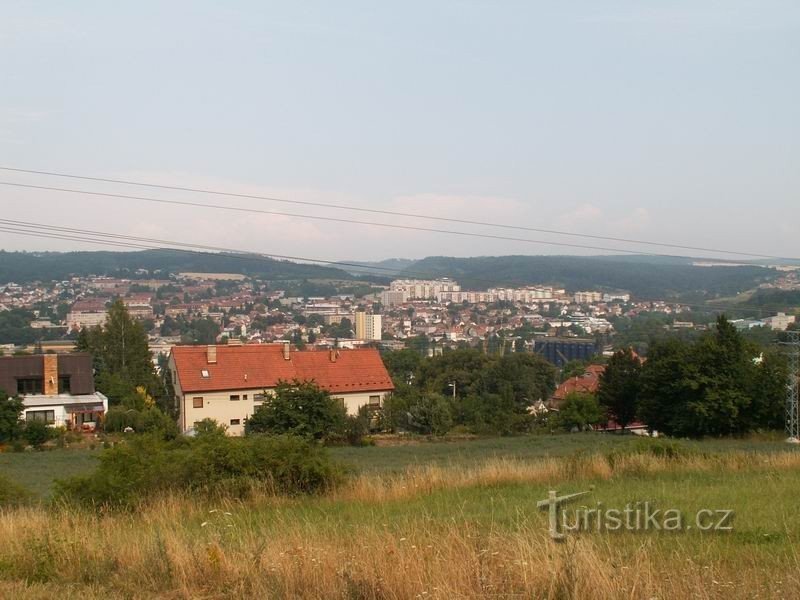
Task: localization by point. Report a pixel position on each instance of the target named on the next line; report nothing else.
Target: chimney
(334, 354)
(211, 355)
(50, 387)
(286, 348)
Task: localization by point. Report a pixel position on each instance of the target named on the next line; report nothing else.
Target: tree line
(720, 384)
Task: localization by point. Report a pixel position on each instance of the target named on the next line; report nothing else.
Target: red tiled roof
(587, 383)
(263, 366)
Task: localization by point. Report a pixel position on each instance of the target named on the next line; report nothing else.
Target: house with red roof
(228, 383)
(587, 383)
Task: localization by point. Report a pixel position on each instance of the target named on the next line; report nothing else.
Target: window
(236, 421)
(197, 402)
(205, 374)
(234, 396)
(374, 400)
(340, 401)
(32, 385)
(64, 384)
(46, 416)
(244, 397)
(258, 398)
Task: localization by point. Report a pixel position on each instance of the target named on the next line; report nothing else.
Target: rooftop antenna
(792, 417)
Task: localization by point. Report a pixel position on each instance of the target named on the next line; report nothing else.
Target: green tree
(573, 368)
(10, 410)
(121, 354)
(430, 414)
(620, 386)
(298, 408)
(719, 385)
(579, 411)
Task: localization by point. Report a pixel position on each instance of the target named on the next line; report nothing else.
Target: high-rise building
(368, 327)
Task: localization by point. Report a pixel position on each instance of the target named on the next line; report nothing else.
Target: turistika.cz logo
(639, 516)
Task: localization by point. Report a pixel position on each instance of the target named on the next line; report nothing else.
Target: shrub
(660, 448)
(209, 463)
(36, 433)
(299, 408)
(430, 415)
(148, 420)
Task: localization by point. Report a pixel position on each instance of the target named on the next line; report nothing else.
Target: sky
(667, 121)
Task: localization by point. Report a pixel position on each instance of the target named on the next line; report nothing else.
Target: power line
(393, 213)
(338, 220)
(31, 229)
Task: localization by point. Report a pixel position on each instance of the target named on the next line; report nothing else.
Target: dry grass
(178, 547)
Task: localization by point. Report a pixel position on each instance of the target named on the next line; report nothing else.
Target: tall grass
(180, 546)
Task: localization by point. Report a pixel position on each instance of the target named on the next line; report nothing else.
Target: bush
(660, 448)
(430, 415)
(11, 494)
(357, 427)
(149, 420)
(299, 408)
(36, 433)
(209, 463)
(579, 412)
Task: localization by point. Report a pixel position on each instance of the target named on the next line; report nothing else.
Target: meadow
(429, 520)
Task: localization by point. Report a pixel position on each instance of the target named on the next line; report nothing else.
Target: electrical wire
(394, 213)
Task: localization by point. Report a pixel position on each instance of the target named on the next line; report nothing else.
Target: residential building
(390, 298)
(367, 326)
(228, 383)
(587, 383)
(424, 289)
(55, 388)
(87, 313)
(779, 322)
(588, 297)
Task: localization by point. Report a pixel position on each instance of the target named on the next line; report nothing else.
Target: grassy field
(430, 520)
(36, 471)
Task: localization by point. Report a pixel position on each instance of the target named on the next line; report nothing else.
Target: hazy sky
(670, 121)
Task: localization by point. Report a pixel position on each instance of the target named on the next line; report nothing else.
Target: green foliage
(15, 328)
(492, 392)
(357, 427)
(573, 368)
(11, 494)
(148, 420)
(10, 410)
(430, 415)
(121, 354)
(209, 427)
(620, 385)
(36, 433)
(716, 386)
(658, 447)
(401, 364)
(343, 329)
(298, 408)
(579, 412)
(209, 464)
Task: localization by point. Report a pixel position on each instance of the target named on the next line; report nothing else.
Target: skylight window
(205, 374)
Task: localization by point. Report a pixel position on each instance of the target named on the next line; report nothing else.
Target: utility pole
(792, 417)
